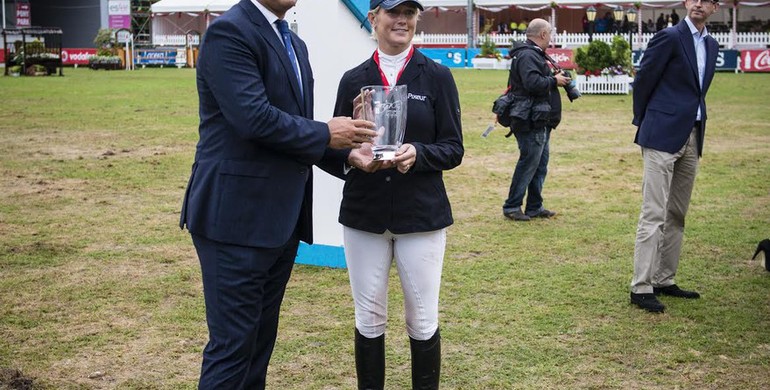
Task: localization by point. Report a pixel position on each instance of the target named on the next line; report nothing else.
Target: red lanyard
(382, 74)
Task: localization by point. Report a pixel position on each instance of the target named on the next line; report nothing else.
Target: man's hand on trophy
(345, 132)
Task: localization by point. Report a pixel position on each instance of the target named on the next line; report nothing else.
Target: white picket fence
(566, 40)
(604, 84)
(174, 40)
(491, 63)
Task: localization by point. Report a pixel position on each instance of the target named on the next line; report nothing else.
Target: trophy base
(383, 153)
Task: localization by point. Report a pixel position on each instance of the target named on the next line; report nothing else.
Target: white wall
(336, 43)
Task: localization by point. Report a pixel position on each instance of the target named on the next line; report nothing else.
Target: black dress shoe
(674, 291)
(648, 302)
(544, 213)
(764, 247)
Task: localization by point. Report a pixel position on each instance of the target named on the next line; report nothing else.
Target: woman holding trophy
(395, 206)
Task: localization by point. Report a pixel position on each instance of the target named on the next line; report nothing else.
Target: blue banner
(726, 59)
(156, 57)
(451, 58)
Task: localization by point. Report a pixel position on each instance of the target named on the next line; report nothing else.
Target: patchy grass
(99, 289)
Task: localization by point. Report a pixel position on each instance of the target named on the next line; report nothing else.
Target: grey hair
(536, 26)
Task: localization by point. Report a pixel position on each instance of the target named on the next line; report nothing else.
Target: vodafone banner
(70, 56)
(755, 60)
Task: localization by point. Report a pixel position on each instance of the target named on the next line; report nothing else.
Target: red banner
(563, 57)
(755, 60)
(23, 15)
(70, 56)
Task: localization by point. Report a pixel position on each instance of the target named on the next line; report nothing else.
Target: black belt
(697, 124)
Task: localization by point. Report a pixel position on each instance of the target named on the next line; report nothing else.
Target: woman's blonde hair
(374, 13)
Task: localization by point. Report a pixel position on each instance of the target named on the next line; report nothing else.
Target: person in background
(674, 17)
(530, 79)
(398, 211)
(249, 198)
(670, 113)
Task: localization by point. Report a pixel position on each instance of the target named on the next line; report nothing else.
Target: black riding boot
(370, 362)
(426, 362)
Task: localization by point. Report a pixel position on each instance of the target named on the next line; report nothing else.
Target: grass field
(99, 289)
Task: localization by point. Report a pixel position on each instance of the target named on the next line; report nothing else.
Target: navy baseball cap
(390, 4)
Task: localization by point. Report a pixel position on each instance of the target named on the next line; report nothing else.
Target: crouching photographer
(535, 111)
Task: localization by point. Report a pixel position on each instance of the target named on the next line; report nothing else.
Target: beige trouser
(666, 189)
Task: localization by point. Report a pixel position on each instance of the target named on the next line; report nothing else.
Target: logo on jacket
(416, 97)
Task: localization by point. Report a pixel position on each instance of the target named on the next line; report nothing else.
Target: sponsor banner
(2, 57)
(72, 56)
(23, 15)
(460, 57)
(755, 60)
(156, 57)
(565, 58)
(726, 59)
(120, 21)
(119, 12)
(452, 58)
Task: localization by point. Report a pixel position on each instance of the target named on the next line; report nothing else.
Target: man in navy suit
(670, 112)
(249, 197)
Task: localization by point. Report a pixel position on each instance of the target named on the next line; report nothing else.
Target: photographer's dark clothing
(531, 78)
(529, 176)
(532, 82)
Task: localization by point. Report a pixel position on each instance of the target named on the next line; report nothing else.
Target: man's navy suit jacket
(251, 182)
(667, 90)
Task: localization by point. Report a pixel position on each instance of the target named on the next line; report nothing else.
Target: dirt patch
(11, 379)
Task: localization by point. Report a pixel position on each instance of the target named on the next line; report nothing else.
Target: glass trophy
(386, 107)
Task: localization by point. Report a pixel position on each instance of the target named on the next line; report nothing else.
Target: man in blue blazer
(249, 197)
(670, 112)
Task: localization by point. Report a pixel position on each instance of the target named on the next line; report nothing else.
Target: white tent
(173, 19)
(169, 6)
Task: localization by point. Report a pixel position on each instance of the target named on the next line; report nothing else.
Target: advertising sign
(755, 60)
(72, 56)
(156, 57)
(119, 12)
(565, 58)
(23, 15)
(726, 59)
(452, 58)
(457, 57)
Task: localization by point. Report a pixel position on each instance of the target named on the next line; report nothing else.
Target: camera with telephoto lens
(572, 91)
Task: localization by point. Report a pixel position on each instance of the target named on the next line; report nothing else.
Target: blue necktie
(283, 28)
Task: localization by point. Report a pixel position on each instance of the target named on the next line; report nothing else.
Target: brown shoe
(516, 215)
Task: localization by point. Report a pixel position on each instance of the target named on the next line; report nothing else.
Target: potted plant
(105, 54)
(603, 68)
(489, 57)
(108, 62)
(37, 70)
(15, 70)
